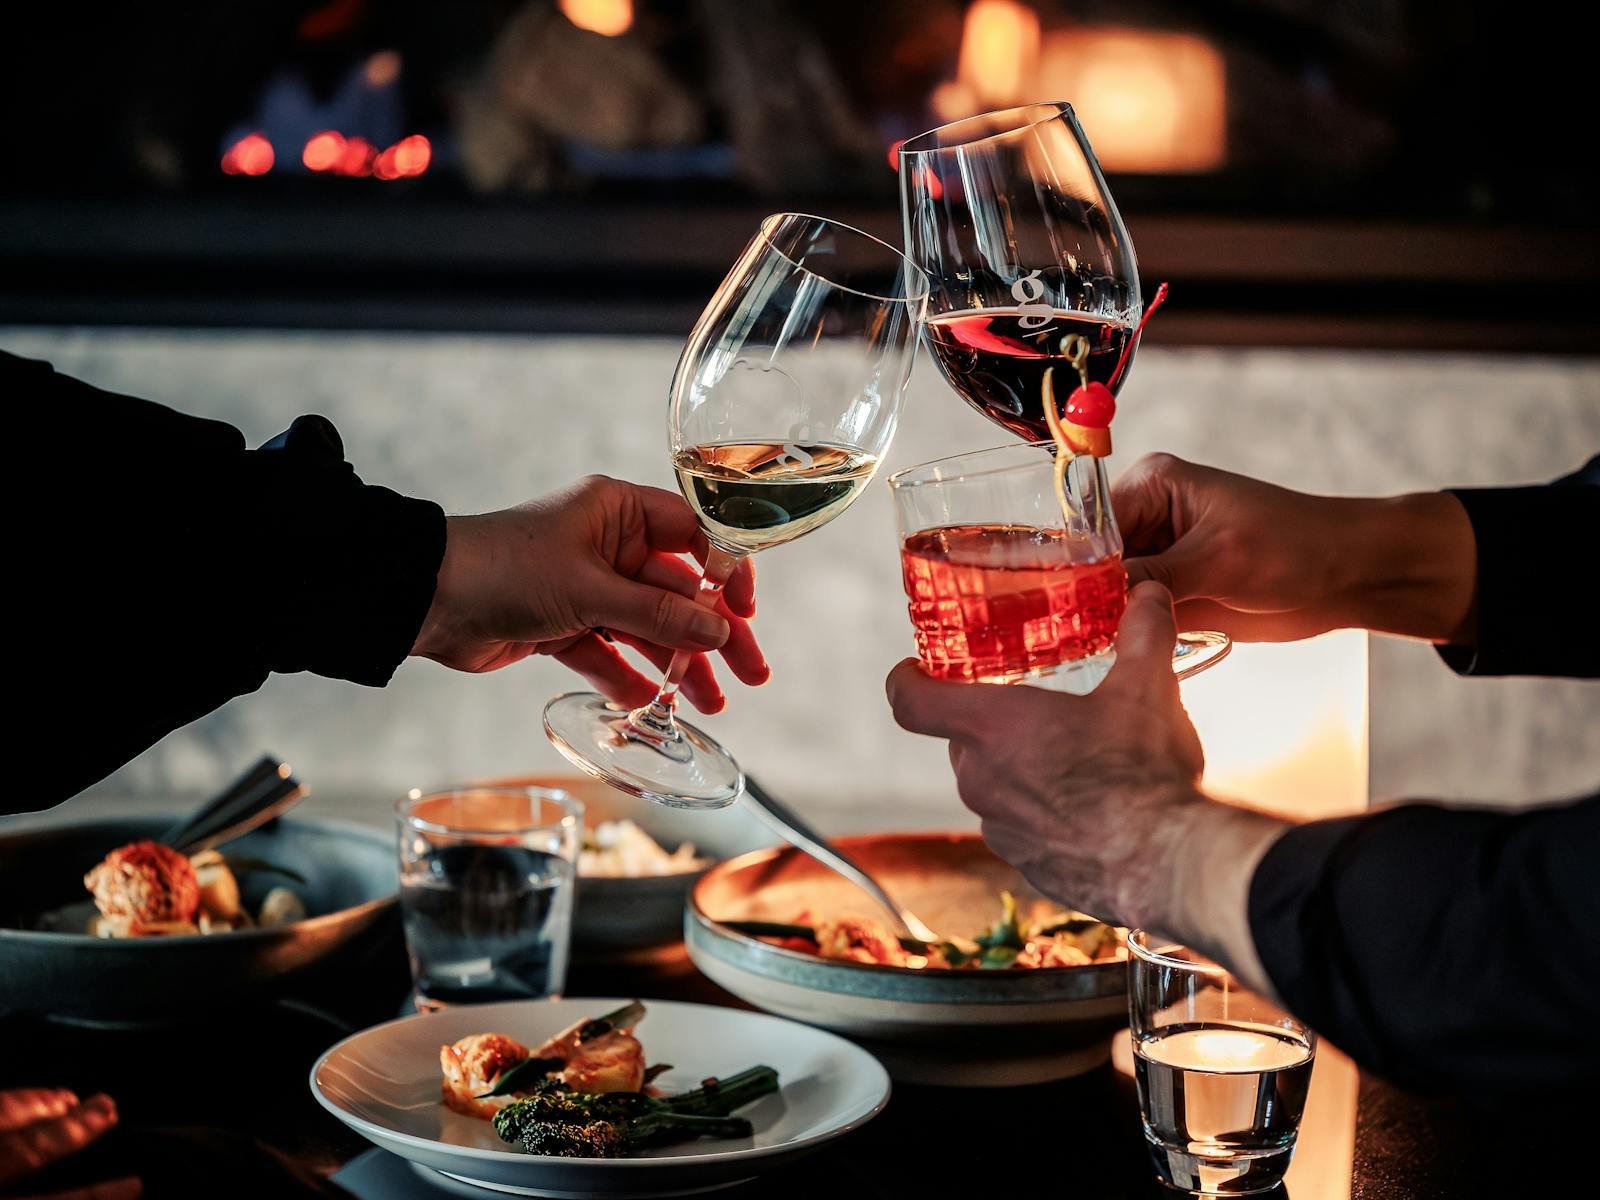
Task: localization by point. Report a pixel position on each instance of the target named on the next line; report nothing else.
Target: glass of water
(487, 876)
(1222, 1073)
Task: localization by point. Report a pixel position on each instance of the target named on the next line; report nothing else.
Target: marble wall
(479, 422)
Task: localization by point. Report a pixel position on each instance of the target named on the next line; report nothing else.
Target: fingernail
(708, 627)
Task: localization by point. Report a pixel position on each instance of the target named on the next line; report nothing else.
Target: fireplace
(1305, 171)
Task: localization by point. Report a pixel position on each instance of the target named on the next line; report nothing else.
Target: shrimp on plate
(594, 1055)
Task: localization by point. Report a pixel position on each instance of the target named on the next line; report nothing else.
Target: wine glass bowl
(1011, 219)
(783, 402)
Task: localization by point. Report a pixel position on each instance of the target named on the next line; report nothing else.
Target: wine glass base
(1198, 650)
(690, 770)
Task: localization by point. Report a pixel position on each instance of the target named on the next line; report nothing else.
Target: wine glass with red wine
(1034, 307)
(783, 403)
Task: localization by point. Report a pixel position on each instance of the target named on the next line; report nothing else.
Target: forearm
(1194, 882)
(1406, 565)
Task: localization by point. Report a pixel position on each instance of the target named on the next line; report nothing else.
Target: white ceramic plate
(384, 1083)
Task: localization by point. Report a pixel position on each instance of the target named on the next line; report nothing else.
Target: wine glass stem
(655, 719)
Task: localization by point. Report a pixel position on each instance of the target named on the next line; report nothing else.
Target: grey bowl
(618, 916)
(350, 886)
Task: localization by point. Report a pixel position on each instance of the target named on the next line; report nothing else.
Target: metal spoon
(793, 829)
(265, 791)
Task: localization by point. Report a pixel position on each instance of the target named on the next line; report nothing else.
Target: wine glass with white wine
(783, 404)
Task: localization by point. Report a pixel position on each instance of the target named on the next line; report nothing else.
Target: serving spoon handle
(265, 791)
(795, 830)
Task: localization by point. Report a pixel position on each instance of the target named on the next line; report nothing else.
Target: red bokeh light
(323, 150)
(412, 154)
(894, 153)
(250, 155)
(356, 157)
(407, 157)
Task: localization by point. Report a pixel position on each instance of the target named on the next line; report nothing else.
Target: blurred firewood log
(788, 114)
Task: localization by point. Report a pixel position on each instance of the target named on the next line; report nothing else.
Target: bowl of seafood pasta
(1016, 991)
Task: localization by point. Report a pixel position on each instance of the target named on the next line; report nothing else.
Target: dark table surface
(244, 1075)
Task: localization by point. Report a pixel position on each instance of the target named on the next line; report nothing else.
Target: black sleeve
(1536, 551)
(1442, 948)
(162, 568)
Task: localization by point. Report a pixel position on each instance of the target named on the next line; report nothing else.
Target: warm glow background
(609, 17)
(1285, 726)
(1149, 102)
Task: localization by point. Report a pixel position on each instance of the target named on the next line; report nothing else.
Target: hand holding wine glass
(601, 555)
(1268, 564)
(783, 402)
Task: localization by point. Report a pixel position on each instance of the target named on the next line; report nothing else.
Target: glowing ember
(250, 155)
(412, 154)
(356, 158)
(323, 151)
(407, 157)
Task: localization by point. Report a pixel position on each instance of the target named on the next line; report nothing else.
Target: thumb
(654, 614)
(1147, 633)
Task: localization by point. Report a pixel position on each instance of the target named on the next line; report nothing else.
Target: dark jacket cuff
(1535, 617)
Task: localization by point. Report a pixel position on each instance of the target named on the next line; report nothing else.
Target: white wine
(751, 495)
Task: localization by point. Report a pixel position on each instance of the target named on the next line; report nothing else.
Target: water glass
(487, 877)
(1222, 1073)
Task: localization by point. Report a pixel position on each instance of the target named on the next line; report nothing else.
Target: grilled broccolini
(555, 1120)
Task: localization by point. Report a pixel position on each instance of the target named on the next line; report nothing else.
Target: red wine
(996, 359)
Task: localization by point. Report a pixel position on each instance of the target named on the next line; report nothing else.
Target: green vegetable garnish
(555, 1120)
(523, 1076)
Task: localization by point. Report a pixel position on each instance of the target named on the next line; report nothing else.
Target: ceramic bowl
(961, 1028)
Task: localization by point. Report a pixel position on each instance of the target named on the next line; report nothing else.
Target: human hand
(41, 1126)
(1073, 790)
(1264, 563)
(1096, 798)
(602, 554)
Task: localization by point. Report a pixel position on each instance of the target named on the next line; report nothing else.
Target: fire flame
(999, 48)
(610, 18)
(1148, 101)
